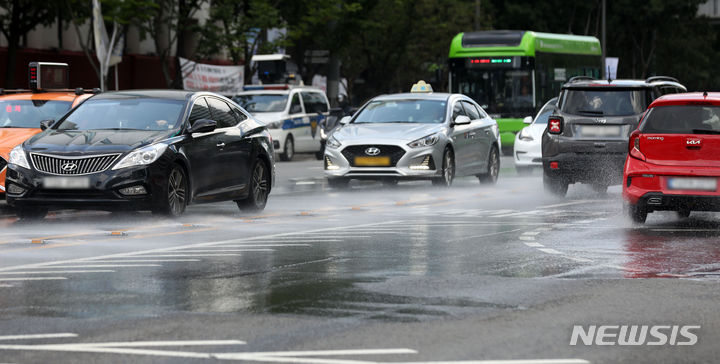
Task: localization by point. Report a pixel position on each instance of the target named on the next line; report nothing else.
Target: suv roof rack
(661, 78)
(581, 78)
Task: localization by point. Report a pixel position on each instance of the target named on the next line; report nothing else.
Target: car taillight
(555, 125)
(634, 146)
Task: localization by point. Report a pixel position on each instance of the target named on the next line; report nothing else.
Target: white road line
(6, 285)
(303, 241)
(176, 248)
(330, 352)
(98, 266)
(534, 245)
(527, 238)
(135, 344)
(120, 260)
(227, 250)
(32, 279)
(485, 235)
(531, 233)
(38, 336)
(60, 272)
(261, 245)
(566, 204)
(191, 255)
(521, 361)
(549, 251)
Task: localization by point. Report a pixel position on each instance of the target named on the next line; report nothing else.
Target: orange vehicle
(22, 111)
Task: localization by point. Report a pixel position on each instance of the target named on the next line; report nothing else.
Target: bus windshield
(505, 92)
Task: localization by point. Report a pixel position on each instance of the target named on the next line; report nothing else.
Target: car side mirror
(46, 124)
(527, 120)
(203, 126)
(461, 120)
(345, 120)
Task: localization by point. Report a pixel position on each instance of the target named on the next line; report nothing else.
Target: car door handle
(221, 145)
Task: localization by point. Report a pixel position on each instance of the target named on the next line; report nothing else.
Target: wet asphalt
(410, 273)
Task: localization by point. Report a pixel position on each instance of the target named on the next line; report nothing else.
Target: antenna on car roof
(705, 94)
(608, 74)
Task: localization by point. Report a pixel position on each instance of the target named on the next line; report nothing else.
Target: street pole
(603, 45)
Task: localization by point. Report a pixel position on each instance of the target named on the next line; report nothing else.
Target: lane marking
(38, 336)
(534, 245)
(485, 235)
(531, 233)
(192, 255)
(527, 238)
(227, 250)
(120, 260)
(550, 251)
(135, 344)
(262, 245)
(97, 266)
(59, 272)
(176, 248)
(32, 279)
(566, 204)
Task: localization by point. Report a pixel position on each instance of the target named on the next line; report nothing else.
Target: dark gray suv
(586, 137)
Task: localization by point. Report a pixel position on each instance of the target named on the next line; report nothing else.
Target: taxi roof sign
(420, 87)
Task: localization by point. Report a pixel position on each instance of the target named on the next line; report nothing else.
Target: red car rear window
(682, 119)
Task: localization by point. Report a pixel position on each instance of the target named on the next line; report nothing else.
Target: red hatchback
(674, 157)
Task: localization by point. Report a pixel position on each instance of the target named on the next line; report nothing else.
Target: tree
(20, 17)
(238, 27)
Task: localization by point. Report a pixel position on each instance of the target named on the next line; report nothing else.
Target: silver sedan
(430, 136)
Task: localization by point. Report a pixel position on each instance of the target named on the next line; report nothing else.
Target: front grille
(72, 165)
(392, 151)
(3, 164)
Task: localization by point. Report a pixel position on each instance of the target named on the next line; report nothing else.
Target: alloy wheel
(176, 192)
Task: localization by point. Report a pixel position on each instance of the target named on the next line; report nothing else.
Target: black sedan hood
(80, 142)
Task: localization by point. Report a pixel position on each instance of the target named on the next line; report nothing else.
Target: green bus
(512, 73)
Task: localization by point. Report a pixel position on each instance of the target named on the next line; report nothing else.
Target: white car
(411, 136)
(527, 151)
(291, 113)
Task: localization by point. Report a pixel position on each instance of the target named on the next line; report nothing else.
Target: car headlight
(525, 135)
(425, 141)
(142, 156)
(18, 157)
(332, 143)
(277, 124)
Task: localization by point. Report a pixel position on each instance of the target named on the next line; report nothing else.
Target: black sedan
(144, 150)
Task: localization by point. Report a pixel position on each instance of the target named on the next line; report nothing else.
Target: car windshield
(29, 113)
(505, 92)
(262, 102)
(616, 102)
(125, 114)
(544, 114)
(403, 111)
(686, 119)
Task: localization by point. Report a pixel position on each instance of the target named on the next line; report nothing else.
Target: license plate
(372, 161)
(599, 131)
(692, 184)
(64, 183)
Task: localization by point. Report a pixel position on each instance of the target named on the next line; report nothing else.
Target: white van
(292, 114)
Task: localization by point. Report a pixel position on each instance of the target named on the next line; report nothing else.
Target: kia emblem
(372, 151)
(69, 167)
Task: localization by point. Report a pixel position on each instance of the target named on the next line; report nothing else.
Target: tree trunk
(13, 42)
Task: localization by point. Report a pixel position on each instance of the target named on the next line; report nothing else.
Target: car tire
(448, 170)
(176, 192)
(493, 171)
(288, 149)
(555, 186)
(684, 213)
(338, 183)
(31, 213)
(321, 153)
(259, 188)
(637, 213)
